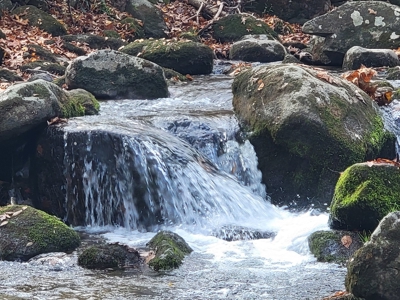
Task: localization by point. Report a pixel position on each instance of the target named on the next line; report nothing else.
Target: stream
(202, 176)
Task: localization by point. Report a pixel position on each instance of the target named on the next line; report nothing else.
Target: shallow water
(196, 121)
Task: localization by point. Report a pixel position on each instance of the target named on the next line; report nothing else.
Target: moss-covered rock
(364, 194)
(174, 76)
(41, 53)
(304, 128)
(106, 256)
(334, 246)
(8, 75)
(80, 103)
(29, 232)
(135, 28)
(233, 27)
(112, 74)
(393, 73)
(95, 41)
(170, 250)
(373, 271)
(53, 68)
(151, 17)
(184, 56)
(41, 19)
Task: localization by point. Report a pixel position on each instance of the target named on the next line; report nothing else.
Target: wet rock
(41, 19)
(357, 56)
(257, 48)
(169, 251)
(55, 261)
(393, 73)
(184, 56)
(236, 233)
(112, 74)
(334, 246)
(82, 101)
(106, 256)
(26, 232)
(300, 124)
(153, 21)
(233, 27)
(371, 24)
(293, 11)
(373, 271)
(364, 194)
(95, 41)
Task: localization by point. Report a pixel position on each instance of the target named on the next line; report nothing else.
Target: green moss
(364, 195)
(170, 250)
(35, 89)
(319, 241)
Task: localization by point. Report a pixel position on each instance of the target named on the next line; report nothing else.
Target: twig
(221, 6)
(198, 12)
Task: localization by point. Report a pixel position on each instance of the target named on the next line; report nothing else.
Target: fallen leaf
(17, 213)
(371, 11)
(29, 244)
(346, 241)
(3, 223)
(260, 85)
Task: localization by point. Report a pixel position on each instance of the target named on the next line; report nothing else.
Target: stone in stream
(169, 250)
(238, 233)
(357, 56)
(373, 272)
(26, 232)
(371, 24)
(306, 127)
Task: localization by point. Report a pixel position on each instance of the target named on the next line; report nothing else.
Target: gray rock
(371, 24)
(44, 76)
(113, 74)
(373, 273)
(153, 21)
(300, 125)
(357, 56)
(257, 48)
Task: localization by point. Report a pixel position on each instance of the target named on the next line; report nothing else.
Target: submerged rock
(364, 194)
(184, 56)
(169, 250)
(303, 127)
(106, 256)
(237, 233)
(112, 74)
(26, 232)
(334, 246)
(373, 271)
(372, 24)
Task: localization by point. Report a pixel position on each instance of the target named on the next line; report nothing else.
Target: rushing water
(201, 181)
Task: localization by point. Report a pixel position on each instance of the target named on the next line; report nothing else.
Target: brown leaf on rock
(346, 241)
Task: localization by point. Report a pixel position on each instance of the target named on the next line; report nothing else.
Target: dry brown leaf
(346, 241)
(260, 85)
(371, 11)
(3, 223)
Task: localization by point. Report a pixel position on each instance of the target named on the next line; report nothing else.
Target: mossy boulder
(8, 75)
(106, 256)
(41, 19)
(29, 232)
(184, 56)
(170, 249)
(334, 246)
(81, 103)
(28, 105)
(364, 194)
(373, 271)
(152, 18)
(112, 74)
(95, 41)
(305, 130)
(54, 68)
(41, 53)
(233, 27)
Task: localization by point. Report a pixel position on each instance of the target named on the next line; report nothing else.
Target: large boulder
(113, 74)
(26, 232)
(233, 27)
(169, 250)
(152, 18)
(41, 19)
(370, 24)
(257, 48)
(373, 271)
(364, 194)
(28, 105)
(184, 56)
(295, 11)
(306, 126)
(357, 56)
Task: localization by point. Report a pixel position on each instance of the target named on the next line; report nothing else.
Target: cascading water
(177, 163)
